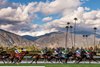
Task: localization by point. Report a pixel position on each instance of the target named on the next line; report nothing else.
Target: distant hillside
(30, 37)
(34, 38)
(10, 39)
(57, 39)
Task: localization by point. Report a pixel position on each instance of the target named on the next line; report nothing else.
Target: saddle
(18, 55)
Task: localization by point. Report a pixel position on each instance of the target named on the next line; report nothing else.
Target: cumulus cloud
(21, 13)
(87, 20)
(58, 6)
(47, 19)
(18, 18)
(5, 4)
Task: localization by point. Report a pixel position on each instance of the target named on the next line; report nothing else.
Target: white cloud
(86, 8)
(21, 13)
(47, 19)
(58, 6)
(5, 4)
(90, 15)
(20, 16)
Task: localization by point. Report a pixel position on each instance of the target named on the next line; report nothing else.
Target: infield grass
(54, 65)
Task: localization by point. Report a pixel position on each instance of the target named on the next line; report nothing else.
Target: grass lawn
(54, 65)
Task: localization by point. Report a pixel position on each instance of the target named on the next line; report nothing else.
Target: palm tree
(75, 30)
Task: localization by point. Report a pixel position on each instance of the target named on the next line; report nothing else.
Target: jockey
(23, 49)
(18, 50)
(58, 50)
(78, 52)
(91, 48)
(88, 52)
(65, 51)
(44, 51)
(55, 52)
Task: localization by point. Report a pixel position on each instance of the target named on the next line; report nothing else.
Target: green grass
(54, 65)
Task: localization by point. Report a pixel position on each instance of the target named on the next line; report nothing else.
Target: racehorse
(84, 55)
(4, 56)
(17, 57)
(46, 57)
(63, 57)
(90, 56)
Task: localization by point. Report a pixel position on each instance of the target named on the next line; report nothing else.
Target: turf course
(54, 65)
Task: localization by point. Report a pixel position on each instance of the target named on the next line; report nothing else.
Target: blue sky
(48, 17)
(93, 4)
(41, 16)
(26, 1)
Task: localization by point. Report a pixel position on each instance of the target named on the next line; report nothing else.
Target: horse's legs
(60, 59)
(8, 60)
(11, 59)
(66, 60)
(45, 59)
(36, 60)
(50, 59)
(15, 60)
(19, 61)
(76, 60)
(89, 60)
(80, 60)
(32, 61)
(56, 59)
(3, 60)
(94, 60)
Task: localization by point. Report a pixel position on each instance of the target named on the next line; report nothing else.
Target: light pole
(86, 36)
(75, 31)
(66, 38)
(71, 29)
(86, 39)
(94, 34)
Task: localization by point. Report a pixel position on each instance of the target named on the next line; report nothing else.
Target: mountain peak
(11, 39)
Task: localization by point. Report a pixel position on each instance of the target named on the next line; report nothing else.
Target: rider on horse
(65, 52)
(58, 51)
(44, 51)
(19, 51)
(88, 52)
(78, 52)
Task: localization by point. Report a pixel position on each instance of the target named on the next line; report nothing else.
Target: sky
(39, 17)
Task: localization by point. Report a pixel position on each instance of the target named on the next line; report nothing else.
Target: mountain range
(10, 39)
(52, 40)
(58, 39)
